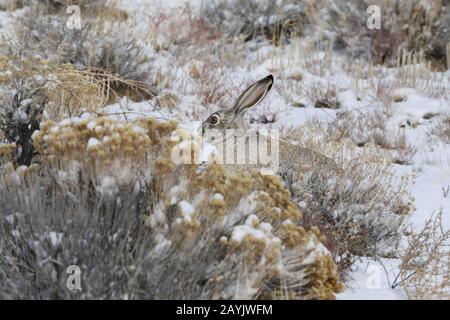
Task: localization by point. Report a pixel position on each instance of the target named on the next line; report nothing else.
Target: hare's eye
(214, 119)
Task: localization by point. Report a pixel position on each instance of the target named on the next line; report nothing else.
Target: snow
(65, 122)
(55, 238)
(240, 232)
(254, 229)
(177, 191)
(186, 210)
(218, 196)
(428, 192)
(10, 218)
(372, 281)
(93, 142)
(91, 125)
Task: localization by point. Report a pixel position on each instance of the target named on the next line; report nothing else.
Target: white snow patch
(93, 142)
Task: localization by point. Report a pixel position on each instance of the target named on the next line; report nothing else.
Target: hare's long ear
(252, 95)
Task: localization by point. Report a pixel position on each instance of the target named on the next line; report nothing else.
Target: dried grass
(370, 128)
(441, 129)
(70, 90)
(425, 266)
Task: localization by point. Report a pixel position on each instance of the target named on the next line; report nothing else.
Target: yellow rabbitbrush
(238, 231)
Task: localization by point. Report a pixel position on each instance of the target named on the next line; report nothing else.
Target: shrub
(371, 128)
(105, 47)
(108, 198)
(360, 209)
(32, 89)
(12, 4)
(408, 25)
(425, 267)
(59, 6)
(275, 20)
(21, 109)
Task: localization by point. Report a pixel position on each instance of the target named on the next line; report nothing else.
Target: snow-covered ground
(372, 280)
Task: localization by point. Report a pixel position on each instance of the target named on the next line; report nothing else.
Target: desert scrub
(323, 95)
(102, 8)
(275, 20)
(412, 26)
(441, 128)
(360, 209)
(108, 197)
(34, 89)
(22, 104)
(100, 45)
(69, 90)
(425, 267)
(371, 128)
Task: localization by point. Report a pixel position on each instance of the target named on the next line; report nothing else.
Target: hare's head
(232, 118)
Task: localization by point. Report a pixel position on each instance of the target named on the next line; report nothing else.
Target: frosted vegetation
(89, 120)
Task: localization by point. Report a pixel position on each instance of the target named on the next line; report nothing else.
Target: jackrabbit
(298, 158)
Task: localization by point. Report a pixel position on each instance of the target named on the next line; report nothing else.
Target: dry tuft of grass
(412, 26)
(370, 128)
(323, 95)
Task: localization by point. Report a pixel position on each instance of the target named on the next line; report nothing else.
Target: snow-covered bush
(276, 20)
(360, 209)
(322, 94)
(32, 89)
(108, 198)
(22, 104)
(405, 25)
(12, 4)
(20, 116)
(98, 45)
